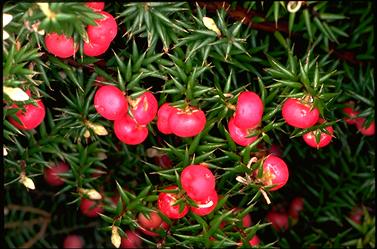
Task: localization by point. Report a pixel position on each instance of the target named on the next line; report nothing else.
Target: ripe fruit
(164, 161)
(105, 30)
(95, 49)
(60, 45)
(110, 102)
(366, 131)
(166, 205)
(249, 110)
(154, 220)
(207, 206)
(275, 172)
(246, 220)
(73, 241)
(131, 240)
(240, 136)
(163, 115)
(254, 241)
(295, 207)
(129, 132)
(298, 114)
(198, 182)
(351, 115)
(96, 6)
(144, 108)
(51, 174)
(279, 220)
(325, 139)
(356, 215)
(90, 208)
(31, 117)
(187, 123)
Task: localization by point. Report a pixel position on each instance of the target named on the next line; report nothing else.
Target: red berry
(110, 102)
(154, 220)
(96, 6)
(144, 108)
(60, 45)
(164, 161)
(239, 135)
(105, 30)
(95, 49)
(129, 132)
(73, 241)
(163, 226)
(254, 241)
(279, 220)
(249, 110)
(298, 114)
(296, 206)
(187, 123)
(351, 115)
(356, 214)
(198, 182)
(275, 172)
(166, 205)
(132, 240)
(207, 206)
(51, 174)
(246, 220)
(31, 117)
(90, 208)
(366, 131)
(163, 115)
(325, 139)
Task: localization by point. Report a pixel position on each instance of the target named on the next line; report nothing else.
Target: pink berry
(275, 172)
(60, 45)
(254, 241)
(299, 115)
(144, 108)
(73, 241)
(198, 182)
(187, 123)
(351, 114)
(166, 204)
(51, 174)
(295, 207)
(131, 240)
(105, 30)
(325, 139)
(154, 221)
(279, 220)
(129, 131)
(163, 115)
(96, 6)
(110, 102)
(90, 208)
(95, 49)
(30, 118)
(366, 131)
(249, 110)
(207, 206)
(239, 135)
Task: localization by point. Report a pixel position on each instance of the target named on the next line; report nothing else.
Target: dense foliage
(199, 57)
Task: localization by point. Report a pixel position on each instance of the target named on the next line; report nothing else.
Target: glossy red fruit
(51, 174)
(207, 206)
(366, 131)
(105, 30)
(73, 241)
(240, 136)
(131, 240)
(95, 49)
(144, 108)
(351, 115)
(96, 6)
(129, 132)
(249, 110)
(60, 45)
(163, 115)
(246, 220)
(91, 208)
(154, 220)
(298, 115)
(295, 207)
(275, 172)
(166, 205)
(198, 182)
(110, 102)
(279, 220)
(325, 139)
(31, 117)
(187, 123)
(254, 241)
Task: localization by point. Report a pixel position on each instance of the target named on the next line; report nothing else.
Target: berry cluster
(302, 114)
(99, 36)
(279, 217)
